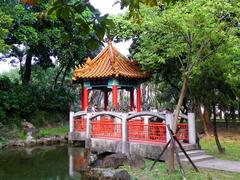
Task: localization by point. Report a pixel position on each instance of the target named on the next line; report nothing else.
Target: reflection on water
(42, 163)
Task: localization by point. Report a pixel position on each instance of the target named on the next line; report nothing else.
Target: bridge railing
(80, 124)
(183, 132)
(152, 132)
(106, 128)
(132, 126)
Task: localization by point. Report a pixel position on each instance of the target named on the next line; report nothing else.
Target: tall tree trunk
(174, 124)
(206, 119)
(56, 77)
(232, 114)
(220, 149)
(65, 73)
(28, 69)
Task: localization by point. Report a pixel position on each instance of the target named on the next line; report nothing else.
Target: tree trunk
(206, 119)
(232, 114)
(220, 149)
(28, 69)
(56, 77)
(174, 124)
(226, 121)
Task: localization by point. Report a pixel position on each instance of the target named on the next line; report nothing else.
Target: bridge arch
(140, 114)
(105, 113)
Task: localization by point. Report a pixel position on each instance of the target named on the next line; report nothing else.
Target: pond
(42, 163)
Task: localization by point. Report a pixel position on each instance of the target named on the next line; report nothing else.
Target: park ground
(230, 141)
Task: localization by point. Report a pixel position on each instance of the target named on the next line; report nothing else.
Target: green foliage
(5, 23)
(37, 104)
(188, 39)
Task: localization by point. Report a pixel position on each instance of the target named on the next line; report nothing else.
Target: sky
(105, 7)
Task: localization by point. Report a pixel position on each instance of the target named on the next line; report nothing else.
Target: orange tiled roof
(109, 63)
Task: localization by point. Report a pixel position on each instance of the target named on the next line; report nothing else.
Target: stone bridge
(142, 133)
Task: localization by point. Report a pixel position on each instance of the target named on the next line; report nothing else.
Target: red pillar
(105, 100)
(131, 99)
(85, 98)
(82, 99)
(138, 99)
(114, 97)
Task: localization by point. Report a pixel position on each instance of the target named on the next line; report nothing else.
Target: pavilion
(110, 71)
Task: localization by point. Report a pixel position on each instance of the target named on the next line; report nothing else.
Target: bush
(35, 103)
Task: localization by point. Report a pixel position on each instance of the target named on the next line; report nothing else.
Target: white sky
(105, 7)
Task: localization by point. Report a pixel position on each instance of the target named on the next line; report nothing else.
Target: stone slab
(218, 164)
(77, 136)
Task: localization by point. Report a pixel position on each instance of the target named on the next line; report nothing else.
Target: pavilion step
(192, 153)
(198, 158)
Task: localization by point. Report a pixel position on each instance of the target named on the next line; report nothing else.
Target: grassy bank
(16, 133)
(160, 172)
(229, 140)
(54, 131)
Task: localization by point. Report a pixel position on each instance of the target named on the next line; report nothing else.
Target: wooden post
(114, 97)
(85, 98)
(105, 100)
(132, 99)
(138, 99)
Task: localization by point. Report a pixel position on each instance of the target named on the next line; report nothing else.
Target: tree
(38, 39)
(187, 33)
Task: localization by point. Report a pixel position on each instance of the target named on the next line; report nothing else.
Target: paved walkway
(218, 164)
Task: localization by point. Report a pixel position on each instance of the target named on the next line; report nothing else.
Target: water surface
(40, 163)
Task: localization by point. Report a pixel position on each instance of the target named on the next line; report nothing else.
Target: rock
(136, 161)
(30, 143)
(29, 137)
(47, 141)
(109, 174)
(114, 160)
(91, 159)
(31, 131)
(122, 175)
(56, 140)
(26, 124)
(40, 141)
(19, 143)
(28, 128)
(66, 136)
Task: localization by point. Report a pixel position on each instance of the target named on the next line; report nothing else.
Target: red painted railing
(135, 125)
(80, 125)
(183, 131)
(106, 128)
(153, 132)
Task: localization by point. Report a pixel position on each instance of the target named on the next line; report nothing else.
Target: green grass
(232, 148)
(160, 172)
(54, 131)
